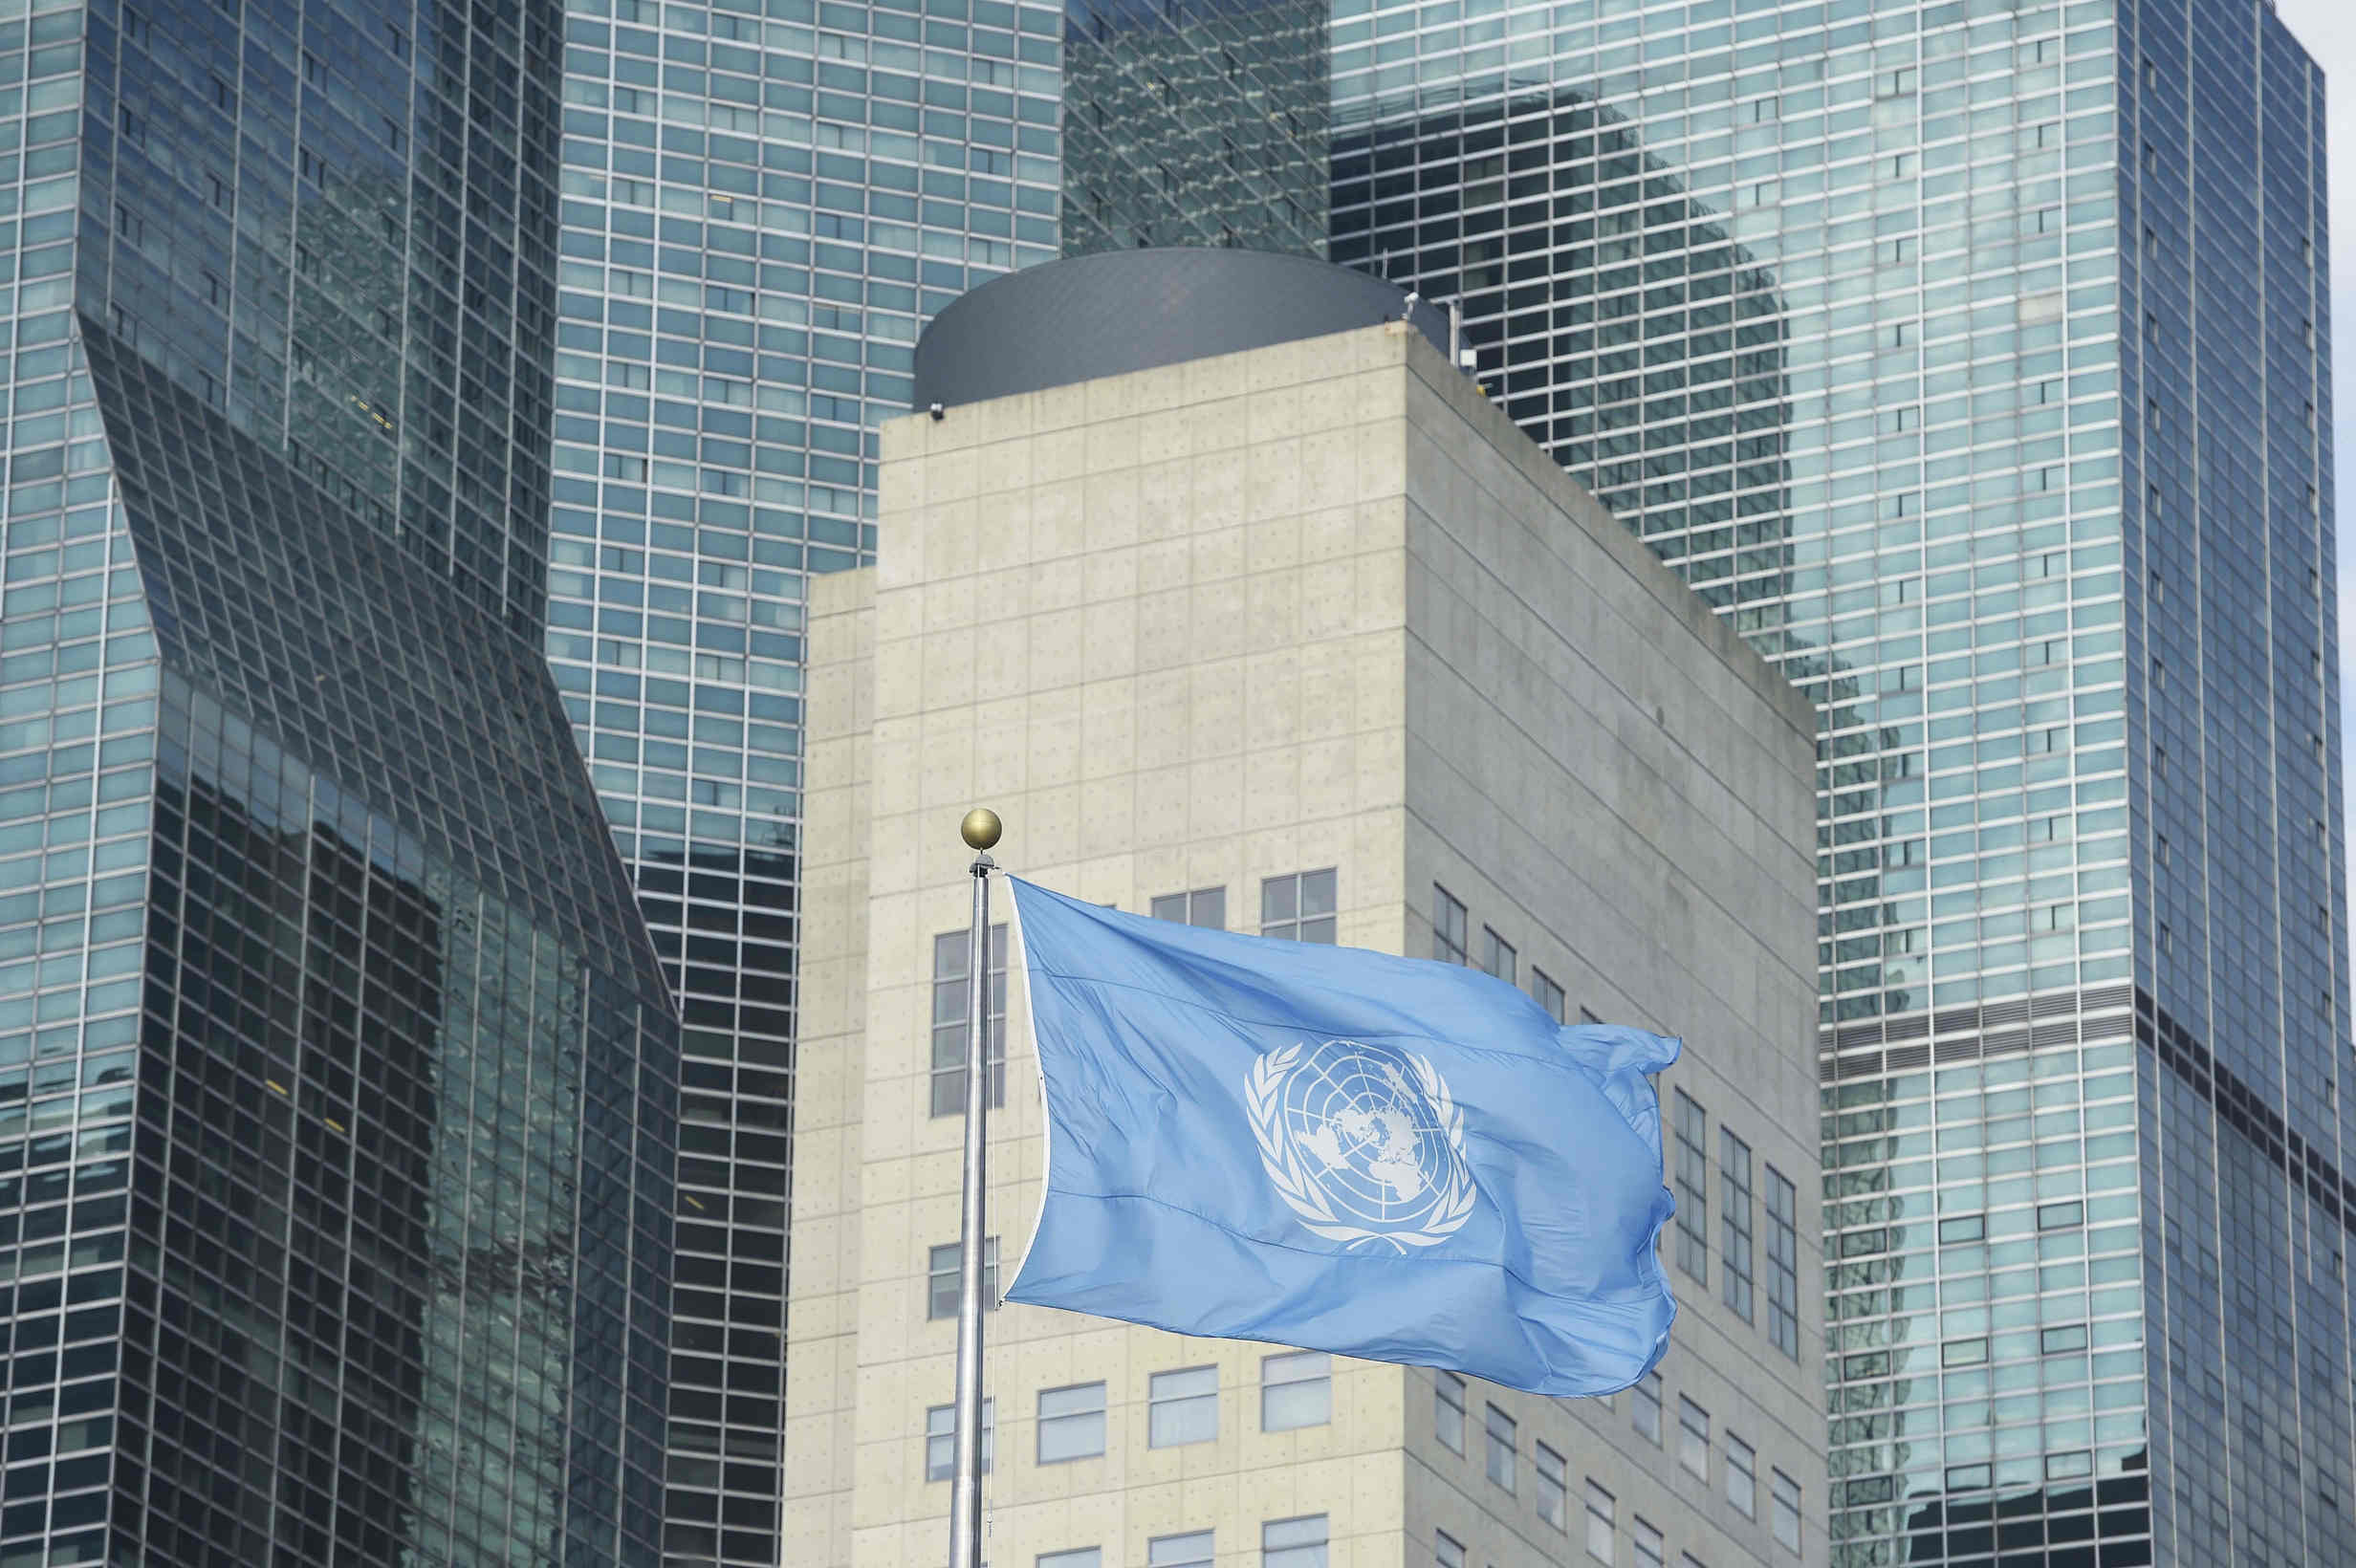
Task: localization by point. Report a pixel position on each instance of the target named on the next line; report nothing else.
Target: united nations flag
(1341, 1150)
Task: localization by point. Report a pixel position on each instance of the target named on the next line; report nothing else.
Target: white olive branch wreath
(1288, 1174)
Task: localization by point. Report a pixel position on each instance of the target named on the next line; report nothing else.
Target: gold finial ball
(980, 829)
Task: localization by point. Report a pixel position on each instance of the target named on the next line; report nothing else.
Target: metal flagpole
(980, 830)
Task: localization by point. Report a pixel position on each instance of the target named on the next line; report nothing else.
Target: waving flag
(1341, 1150)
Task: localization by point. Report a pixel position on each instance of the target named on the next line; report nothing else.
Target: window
(941, 1278)
(1549, 994)
(1082, 1556)
(1693, 1188)
(1645, 1406)
(1447, 1409)
(1446, 1550)
(1071, 1422)
(1692, 1437)
(1294, 1543)
(1782, 1264)
(1784, 1492)
(1503, 1448)
(1182, 1407)
(1600, 1527)
(941, 1440)
(1734, 1223)
(1299, 908)
(1189, 1551)
(1553, 1488)
(1204, 906)
(1648, 1541)
(948, 1020)
(1447, 926)
(1741, 1477)
(1296, 1390)
(1498, 956)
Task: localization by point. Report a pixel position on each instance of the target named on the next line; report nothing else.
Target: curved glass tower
(2040, 516)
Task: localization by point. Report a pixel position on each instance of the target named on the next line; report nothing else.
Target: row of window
(1451, 927)
(1690, 1125)
(1501, 1461)
(1451, 944)
(1182, 1407)
(1299, 906)
(1284, 1543)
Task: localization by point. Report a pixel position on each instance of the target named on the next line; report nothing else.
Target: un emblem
(1363, 1142)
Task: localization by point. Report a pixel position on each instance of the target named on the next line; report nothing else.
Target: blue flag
(1338, 1150)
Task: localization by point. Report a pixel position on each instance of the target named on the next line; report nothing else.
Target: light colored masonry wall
(1177, 628)
(1609, 779)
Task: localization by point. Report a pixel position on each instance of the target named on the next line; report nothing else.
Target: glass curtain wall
(2039, 515)
(336, 1071)
(762, 203)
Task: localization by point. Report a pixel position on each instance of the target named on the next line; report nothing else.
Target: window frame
(1782, 1206)
(947, 1470)
(1690, 1128)
(1324, 1376)
(1191, 907)
(946, 1084)
(1646, 1396)
(934, 1275)
(1501, 1450)
(1741, 1476)
(1550, 1482)
(1450, 935)
(1158, 1403)
(1447, 1409)
(1296, 922)
(1603, 1519)
(1736, 1225)
(1782, 1507)
(1064, 1420)
(1296, 1554)
(1692, 1438)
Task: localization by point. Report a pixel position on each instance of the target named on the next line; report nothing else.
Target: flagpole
(980, 830)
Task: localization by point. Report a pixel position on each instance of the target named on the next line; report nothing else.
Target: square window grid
(951, 951)
(1204, 906)
(942, 1284)
(1298, 908)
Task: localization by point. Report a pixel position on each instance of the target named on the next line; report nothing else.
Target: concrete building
(1307, 640)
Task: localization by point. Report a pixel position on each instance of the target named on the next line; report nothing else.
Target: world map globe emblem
(1364, 1142)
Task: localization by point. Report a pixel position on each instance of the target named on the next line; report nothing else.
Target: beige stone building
(1307, 640)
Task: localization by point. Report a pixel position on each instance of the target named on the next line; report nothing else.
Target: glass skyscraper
(763, 202)
(1969, 354)
(335, 1070)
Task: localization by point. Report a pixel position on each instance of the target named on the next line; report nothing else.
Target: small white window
(1296, 1390)
(1071, 1422)
(1183, 1407)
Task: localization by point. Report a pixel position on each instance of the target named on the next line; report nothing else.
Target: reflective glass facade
(761, 205)
(1195, 123)
(763, 202)
(2027, 491)
(336, 1071)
